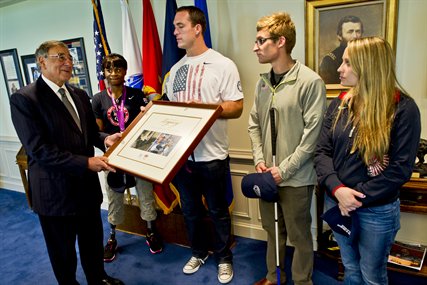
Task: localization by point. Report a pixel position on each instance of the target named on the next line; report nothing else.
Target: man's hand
(112, 139)
(99, 163)
(260, 167)
(276, 174)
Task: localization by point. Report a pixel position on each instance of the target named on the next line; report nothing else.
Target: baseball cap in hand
(344, 225)
(260, 185)
(119, 181)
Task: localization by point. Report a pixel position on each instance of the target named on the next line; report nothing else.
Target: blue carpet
(24, 259)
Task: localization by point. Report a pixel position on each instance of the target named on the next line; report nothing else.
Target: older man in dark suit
(55, 123)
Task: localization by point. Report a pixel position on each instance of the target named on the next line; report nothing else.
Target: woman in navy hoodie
(366, 152)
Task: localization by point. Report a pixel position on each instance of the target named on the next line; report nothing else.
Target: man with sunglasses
(297, 96)
(55, 124)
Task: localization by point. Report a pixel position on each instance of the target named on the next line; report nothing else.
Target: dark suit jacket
(60, 183)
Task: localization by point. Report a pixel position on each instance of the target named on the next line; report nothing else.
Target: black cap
(344, 225)
(260, 185)
(119, 181)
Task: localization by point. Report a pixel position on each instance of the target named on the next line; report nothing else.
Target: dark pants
(60, 235)
(208, 179)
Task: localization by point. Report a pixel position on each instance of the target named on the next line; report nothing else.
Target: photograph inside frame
(161, 134)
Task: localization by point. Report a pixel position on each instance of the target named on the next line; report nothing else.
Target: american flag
(100, 40)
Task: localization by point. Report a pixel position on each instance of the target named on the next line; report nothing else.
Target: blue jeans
(365, 260)
(209, 179)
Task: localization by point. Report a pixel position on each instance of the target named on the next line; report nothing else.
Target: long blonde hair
(372, 101)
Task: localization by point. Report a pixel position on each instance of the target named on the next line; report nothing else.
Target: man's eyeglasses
(61, 57)
(260, 41)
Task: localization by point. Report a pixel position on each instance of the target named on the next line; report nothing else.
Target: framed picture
(160, 140)
(80, 77)
(331, 23)
(31, 71)
(11, 70)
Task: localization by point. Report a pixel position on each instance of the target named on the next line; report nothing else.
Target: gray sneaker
(194, 264)
(225, 272)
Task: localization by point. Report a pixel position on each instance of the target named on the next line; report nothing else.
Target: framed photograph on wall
(31, 71)
(11, 70)
(160, 140)
(80, 77)
(331, 23)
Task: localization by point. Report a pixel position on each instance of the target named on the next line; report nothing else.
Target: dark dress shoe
(264, 281)
(111, 281)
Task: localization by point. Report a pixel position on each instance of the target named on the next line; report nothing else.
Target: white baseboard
(17, 186)
(12, 185)
(249, 231)
(258, 233)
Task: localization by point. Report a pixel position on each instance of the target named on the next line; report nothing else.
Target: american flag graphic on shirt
(187, 83)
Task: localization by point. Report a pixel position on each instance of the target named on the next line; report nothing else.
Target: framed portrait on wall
(31, 71)
(11, 71)
(80, 76)
(160, 140)
(332, 23)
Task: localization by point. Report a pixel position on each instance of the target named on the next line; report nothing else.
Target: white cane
(276, 219)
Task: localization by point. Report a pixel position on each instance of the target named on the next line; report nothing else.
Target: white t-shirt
(209, 78)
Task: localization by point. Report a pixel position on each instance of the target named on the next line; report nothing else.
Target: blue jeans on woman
(365, 260)
(207, 179)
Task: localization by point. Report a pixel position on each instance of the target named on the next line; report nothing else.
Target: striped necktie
(69, 107)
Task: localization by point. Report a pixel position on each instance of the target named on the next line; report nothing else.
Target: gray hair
(43, 49)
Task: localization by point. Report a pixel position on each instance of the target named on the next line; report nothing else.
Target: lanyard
(120, 110)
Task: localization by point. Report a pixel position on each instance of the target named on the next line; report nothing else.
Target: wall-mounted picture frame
(11, 71)
(330, 23)
(29, 65)
(80, 77)
(160, 139)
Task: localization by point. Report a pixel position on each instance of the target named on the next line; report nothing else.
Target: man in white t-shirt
(205, 76)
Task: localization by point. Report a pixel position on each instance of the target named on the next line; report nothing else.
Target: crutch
(276, 219)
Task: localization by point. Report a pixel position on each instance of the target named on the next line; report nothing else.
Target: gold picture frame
(379, 15)
(160, 139)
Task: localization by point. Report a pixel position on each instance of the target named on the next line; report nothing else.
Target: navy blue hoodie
(336, 167)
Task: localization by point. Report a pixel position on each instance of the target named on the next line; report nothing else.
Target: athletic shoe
(110, 250)
(194, 264)
(154, 243)
(225, 272)
(108, 280)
